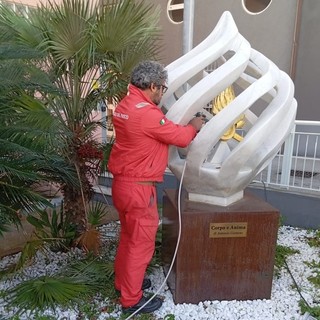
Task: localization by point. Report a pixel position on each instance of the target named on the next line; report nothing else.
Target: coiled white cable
(175, 251)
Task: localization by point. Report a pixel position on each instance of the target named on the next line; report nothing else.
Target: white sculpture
(218, 170)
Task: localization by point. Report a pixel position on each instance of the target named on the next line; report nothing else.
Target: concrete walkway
(14, 240)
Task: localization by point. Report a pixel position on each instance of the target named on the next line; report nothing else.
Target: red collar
(139, 93)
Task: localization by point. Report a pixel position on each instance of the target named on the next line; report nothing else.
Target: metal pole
(188, 18)
(103, 109)
(104, 128)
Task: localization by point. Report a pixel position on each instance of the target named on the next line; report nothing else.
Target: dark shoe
(153, 305)
(146, 284)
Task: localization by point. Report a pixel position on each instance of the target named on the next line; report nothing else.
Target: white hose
(175, 252)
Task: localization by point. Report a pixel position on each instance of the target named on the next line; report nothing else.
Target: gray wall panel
(308, 70)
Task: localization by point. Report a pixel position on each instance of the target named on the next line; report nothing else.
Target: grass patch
(282, 253)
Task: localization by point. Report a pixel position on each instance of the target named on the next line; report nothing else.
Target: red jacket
(143, 134)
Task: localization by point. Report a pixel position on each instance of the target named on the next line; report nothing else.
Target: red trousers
(137, 207)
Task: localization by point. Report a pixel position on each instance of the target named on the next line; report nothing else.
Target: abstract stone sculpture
(216, 170)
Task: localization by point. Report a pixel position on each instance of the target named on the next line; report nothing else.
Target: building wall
(307, 81)
(283, 33)
(286, 32)
(270, 32)
(171, 40)
(32, 3)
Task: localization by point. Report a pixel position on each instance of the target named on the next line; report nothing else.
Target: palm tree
(24, 156)
(78, 41)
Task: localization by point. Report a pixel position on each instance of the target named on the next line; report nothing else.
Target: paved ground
(14, 240)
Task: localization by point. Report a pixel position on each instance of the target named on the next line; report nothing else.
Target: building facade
(283, 30)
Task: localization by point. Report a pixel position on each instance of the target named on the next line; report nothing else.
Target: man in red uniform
(138, 160)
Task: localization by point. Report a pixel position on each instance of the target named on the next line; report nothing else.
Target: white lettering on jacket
(142, 104)
(120, 115)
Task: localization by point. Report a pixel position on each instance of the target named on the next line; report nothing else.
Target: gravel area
(284, 302)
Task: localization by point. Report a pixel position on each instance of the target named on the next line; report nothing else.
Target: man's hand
(197, 122)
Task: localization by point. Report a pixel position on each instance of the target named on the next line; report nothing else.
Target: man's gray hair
(147, 72)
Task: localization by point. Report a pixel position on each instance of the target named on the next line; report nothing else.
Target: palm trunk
(76, 202)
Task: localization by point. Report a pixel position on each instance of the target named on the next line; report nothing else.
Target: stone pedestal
(225, 253)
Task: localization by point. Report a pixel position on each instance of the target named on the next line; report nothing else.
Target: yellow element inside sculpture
(95, 85)
(221, 101)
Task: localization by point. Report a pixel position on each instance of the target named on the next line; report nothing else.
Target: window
(175, 11)
(255, 6)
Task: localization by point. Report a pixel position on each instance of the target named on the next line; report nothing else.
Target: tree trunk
(76, 203)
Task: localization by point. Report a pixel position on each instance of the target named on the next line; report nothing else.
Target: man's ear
(153, 87)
